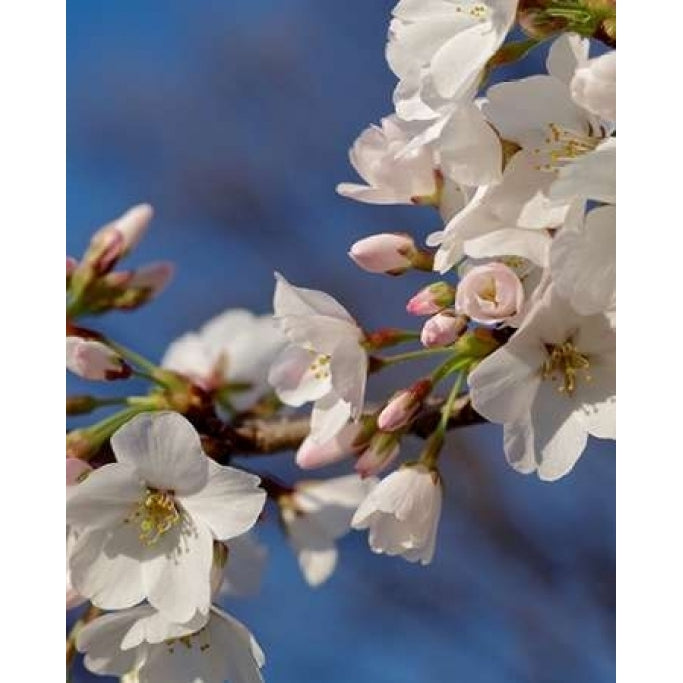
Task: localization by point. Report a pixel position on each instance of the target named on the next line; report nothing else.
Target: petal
(298, 301)
(165, 449)
(294, 378)
(246, 564)
(229, 504)
(101, 641)
(190, 356)
(533, 245)
(349, 368)
(518, 444)
(106, 567)
(566, 55)
(176, 571)
(328, 417)
(105, 498)
(317, 565)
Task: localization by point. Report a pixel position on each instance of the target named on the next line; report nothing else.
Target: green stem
(450, 366)
(412, 355)
(448, 406)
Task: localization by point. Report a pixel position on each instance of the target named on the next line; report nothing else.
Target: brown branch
(264, 437)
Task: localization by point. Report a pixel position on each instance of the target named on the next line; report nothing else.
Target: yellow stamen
(155, 514)
(566, 361)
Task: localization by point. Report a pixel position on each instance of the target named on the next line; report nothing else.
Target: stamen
(155, 514)
(567, 362)
(320, 366)
(563, 145)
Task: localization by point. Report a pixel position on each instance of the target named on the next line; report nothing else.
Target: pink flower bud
(404, 406)
(381, 452)
(154, 277)
(71, 265)
(489, 294)
(431, 299)
(442, 329)
(76, 470)
(387, 252)
(133, 224)
(92, 359)
(312, 454)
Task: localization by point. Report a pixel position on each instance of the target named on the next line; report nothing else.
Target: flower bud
(71, 265)
(380, 453)
(153, 276)
(94, 360)
(312, 454)
(489, 294)
(431, 299)
(80, 405)
(76, 471)
(390, 253)
(443, 329)
(403, 407)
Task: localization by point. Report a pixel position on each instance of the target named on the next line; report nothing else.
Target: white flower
(230, 355)
(594, 86)
(583, 262)
(76, 471)
(316, 515)
(210, 648)
(551, 385)
(147, 522)
(325, 361)
(441, 46)
(402, 513)
(390, 179)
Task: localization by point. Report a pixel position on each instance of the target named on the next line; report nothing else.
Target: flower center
(566, 362)
(155, 514)
(563, 145)
(201, 638)
(320, 367)
(476, 11)
(488, 292)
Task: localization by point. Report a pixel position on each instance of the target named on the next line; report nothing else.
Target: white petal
(106, 567)
(229, 504)
(190, 356)
(298, 301)
(317, 565)
(518, 444)
(328, 417)
(105, 498)
(295, 380)
(165, 449)
(246, 564)
(154, 628)
(176, 571)
(349, 368)
(567, 53)
(533, 245)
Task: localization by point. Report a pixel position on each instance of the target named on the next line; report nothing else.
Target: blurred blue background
(233, 119)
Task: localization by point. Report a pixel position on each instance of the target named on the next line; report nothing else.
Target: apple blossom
(325, 361)
(94, 360)
(489, 293)
(594, 86)
(402, 513)
(442, 329)
(391, 179)
(315, 515)
(147, 522)
(229, 355)
(212, 647)
(551, 385)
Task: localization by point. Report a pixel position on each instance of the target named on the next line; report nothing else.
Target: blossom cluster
(521, 319)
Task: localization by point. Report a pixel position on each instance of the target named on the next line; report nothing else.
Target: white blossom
(324, 362)
(594, 86)
(318, 513)
(402, 514)
(551, 385)
(230, 354)
(147, 522)
(209, 648)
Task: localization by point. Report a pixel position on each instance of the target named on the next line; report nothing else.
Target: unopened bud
(431, 299)
(81, 444)
(387, 252)
(443, 329)
(404, 406)
(380, 453)
(153, 277)
(76, 471)
(94, 360)
(71, 265)
(80, 405)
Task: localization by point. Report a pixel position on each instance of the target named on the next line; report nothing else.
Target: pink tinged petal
(372, 195)
(298, 301)
(94, 360)
(294, 378)
(312, 454)
(566, 55)
(105, 498)
(328, 417)
(176, 571)
(383, 253)
(503, 385)
(106, 567)
(153, 276)
(76, 470)
(230, 502)
(100, 640)
(133, 224)
(165, 450)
